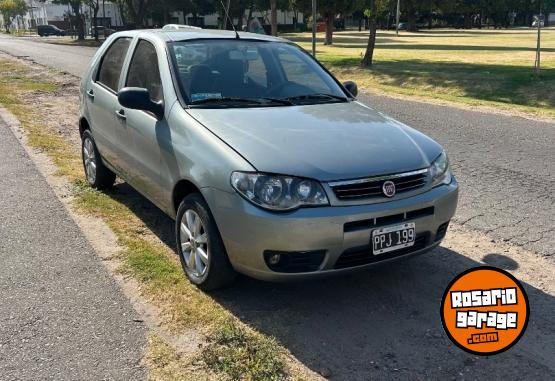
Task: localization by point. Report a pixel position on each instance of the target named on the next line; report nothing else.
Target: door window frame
(125, 70)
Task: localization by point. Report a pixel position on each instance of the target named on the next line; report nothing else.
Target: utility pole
(313, 28)
(398, 16)
(538, 46)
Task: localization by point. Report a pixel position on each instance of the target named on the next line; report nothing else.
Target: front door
(141, 127)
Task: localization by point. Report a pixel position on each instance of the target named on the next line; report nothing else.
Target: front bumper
(248, 231)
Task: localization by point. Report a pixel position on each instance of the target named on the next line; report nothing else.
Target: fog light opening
(274, 259)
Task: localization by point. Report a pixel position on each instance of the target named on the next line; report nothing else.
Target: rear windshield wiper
(317, 96)
(224, 100)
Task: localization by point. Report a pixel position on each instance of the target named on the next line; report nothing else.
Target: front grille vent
(372, 187)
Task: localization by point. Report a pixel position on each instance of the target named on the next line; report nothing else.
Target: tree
(11, 9)
(274, 6)
(95, 7)
(76, 8)
(137, 11)
(273, 16)
(372, 26)
(329, 9)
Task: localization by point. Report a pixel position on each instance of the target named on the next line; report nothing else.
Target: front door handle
(90, 94)
(121, 114)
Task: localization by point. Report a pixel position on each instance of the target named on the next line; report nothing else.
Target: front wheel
(200, 247)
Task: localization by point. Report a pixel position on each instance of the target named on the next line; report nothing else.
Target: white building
(47, 13)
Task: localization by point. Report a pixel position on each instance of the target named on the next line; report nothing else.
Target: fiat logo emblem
(388, 188)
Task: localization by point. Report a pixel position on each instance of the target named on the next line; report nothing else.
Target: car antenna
(229, 19)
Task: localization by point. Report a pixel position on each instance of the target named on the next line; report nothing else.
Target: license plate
(393, 238)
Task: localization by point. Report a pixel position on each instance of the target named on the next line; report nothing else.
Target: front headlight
(440, 171)
(276, 192)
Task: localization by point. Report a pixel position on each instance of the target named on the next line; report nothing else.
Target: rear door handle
(90, 94)
(121, 114)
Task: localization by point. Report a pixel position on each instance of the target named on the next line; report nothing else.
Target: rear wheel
(98, 176)
(200, 247)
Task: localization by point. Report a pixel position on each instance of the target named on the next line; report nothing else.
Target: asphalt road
(505, 164)
(62, 315)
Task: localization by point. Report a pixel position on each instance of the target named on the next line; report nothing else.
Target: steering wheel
(288, 89)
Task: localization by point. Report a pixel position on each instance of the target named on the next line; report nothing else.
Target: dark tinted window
(112, 62)
(144, 72)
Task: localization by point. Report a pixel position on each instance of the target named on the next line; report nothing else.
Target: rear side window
(112, 62)
(144, 72)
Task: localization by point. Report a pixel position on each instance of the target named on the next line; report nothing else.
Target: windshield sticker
(200, 96)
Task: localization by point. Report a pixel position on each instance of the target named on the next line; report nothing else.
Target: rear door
(106, 122)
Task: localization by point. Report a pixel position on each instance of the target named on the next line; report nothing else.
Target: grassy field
(477, 67)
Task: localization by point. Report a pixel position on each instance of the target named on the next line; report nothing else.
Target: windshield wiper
(317, 96)
(262, 100)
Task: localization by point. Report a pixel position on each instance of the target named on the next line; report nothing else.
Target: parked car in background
(102, 31)
(50, 30)
(269, 165)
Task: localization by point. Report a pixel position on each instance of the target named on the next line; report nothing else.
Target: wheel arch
(83, 126)
(182, 189)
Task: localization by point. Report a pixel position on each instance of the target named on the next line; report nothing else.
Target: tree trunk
(76, 6)
(273, 17)
(369, 55)
(96, 8)
(411, 18)
(137, 13)
(122, 13)
(329, 29)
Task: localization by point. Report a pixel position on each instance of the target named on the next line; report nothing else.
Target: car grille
(362, 255)
(372, 187)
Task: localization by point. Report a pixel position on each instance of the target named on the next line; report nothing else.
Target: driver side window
(144, 71)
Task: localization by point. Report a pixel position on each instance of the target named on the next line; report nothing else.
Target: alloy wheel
(89, 159)
(194, 243)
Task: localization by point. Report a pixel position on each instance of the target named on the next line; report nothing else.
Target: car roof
(194, 34)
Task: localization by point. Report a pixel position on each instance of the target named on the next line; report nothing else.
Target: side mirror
(351, 87)
(139, 99)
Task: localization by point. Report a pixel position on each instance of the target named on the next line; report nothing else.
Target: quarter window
(112, 62)
(144, 71)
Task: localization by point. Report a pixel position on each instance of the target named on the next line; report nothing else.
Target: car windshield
(215, 73)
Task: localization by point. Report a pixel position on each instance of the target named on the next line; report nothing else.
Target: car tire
(96, 173)
(200, 247)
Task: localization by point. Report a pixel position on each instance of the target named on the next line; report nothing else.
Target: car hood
(331, 141)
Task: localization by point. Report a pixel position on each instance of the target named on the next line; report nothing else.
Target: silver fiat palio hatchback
(269, 166)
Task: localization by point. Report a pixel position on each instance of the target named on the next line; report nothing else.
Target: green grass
(234, 350)
(477, 67)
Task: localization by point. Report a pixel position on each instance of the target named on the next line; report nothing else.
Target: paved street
(72, 59)
(62, 315)
(506, 165)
